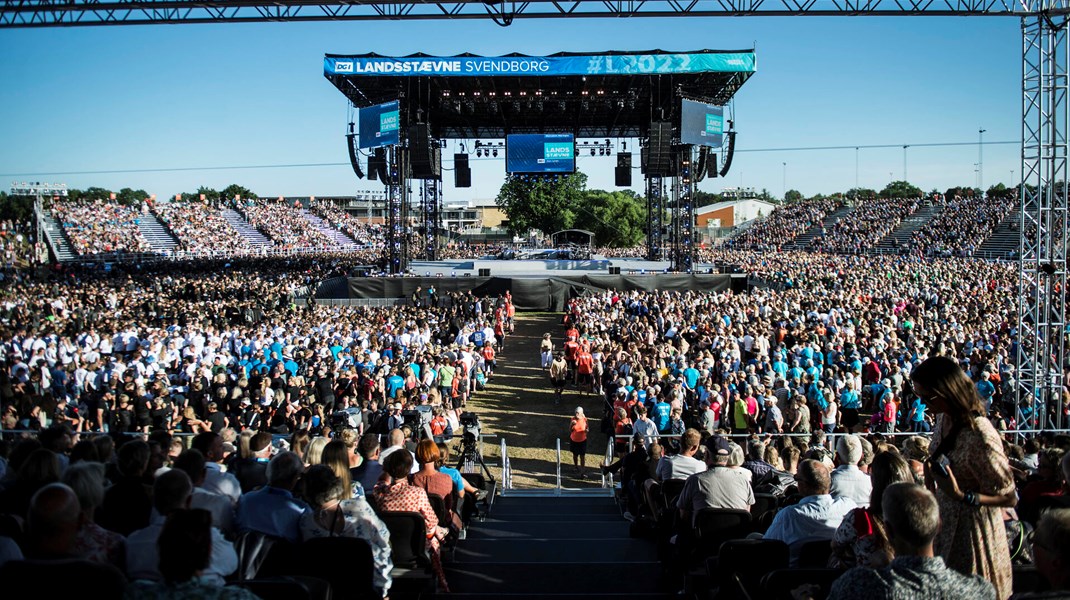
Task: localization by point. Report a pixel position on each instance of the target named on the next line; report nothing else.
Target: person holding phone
(969, 473)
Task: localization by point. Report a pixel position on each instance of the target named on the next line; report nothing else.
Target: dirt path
(518, 404)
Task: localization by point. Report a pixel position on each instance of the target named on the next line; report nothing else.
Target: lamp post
(981, 159)
(784, 183)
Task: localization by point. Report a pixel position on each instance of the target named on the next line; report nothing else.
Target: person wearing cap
(774, 419)
(577, 433)
(718, 486)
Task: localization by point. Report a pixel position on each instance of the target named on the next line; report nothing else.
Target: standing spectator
(970, 473)
(577, 435)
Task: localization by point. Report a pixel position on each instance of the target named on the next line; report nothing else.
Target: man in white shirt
(847, 480)
(216, 479)
(684, 464)
(171, 492)
(193, 464)
(815, 517)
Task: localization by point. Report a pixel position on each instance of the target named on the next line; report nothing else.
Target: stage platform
(541, 268)
(532, 289)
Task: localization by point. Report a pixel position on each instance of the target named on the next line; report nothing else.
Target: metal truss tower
(655, 213)
(682, 255)
(397, 209)
(430, 203)
(1043, 242)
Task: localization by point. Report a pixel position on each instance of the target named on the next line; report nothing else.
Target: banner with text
(475, 66)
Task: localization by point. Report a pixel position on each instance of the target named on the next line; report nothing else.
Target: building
(731, 213)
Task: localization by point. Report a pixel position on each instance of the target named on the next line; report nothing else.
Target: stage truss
(1042, 319)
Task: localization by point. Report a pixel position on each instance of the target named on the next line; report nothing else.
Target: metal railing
(557, 487)
(507, 470)
(607, 478)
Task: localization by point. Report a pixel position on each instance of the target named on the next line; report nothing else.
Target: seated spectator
(847, 480)
(272, 509)
(251, 472)
(94, 542)
(333, 513)
(397, 442)
(755, 462)
(428, 477)
(1051, 554)
(815, 517)
(186, 548)
(128, 502)
(913, 519)
(717, 487)
(368, 471)
(216, 480)
(684, 464)
(193, 464)
(40, 468)
(171, 493)
(397, 495)
(53, 523)
(861, 539)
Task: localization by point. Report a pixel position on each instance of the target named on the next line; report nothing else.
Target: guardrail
(507, 470)
(607, 478)
(557, 488)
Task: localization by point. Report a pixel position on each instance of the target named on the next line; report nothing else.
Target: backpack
(481, 381)
(776, 483)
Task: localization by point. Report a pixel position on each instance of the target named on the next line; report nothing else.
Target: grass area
(518, 405)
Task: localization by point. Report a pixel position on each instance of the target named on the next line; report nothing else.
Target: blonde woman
(314, 454)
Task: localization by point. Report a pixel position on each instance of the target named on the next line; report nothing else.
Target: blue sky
(142, 97)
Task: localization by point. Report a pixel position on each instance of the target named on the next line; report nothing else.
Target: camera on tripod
(470, 436)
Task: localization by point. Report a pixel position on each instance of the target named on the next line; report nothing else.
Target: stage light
(495, 153)
(479, 153)
(592, 151)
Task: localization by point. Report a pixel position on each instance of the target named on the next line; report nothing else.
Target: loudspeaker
(462, 174)
(711, 166)
(614, 270)
(422, 155)
(659, 155)
(731, 152)
(623, 174)
(377, 165)
(484, 272)
(354, 161)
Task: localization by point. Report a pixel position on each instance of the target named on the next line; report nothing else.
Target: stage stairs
(57, 240)
(568, 545)
(900, 236)
(804, 239)
(1004, 240)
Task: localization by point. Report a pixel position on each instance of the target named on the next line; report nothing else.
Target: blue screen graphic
(701, 124)
(378, 125)
(540, 153)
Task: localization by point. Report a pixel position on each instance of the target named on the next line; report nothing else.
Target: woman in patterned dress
(397, 495)
(969, 472)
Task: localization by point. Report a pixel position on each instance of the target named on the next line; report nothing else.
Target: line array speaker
(462, 173)
(659, 156)
(424, 156)
(623, 174)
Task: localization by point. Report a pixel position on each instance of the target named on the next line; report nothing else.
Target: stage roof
(612, 94)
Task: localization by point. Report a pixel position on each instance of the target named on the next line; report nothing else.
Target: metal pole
(856, 167)
(981, 160)
(784, 183)
(905, 162)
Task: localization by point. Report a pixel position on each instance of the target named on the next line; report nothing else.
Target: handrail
(557, 490)
(607, 477)
(507, 469)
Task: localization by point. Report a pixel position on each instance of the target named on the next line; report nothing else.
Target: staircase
(57, 240)
(155, 233)
(325, 228)
(804, 239)
(554, 548)
(900, 236)
(244, 229)
(1004, 240)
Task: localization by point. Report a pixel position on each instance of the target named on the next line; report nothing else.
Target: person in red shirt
(890, 411)
(577, 435)
(584, 369)
(489, 363)
(572, 348)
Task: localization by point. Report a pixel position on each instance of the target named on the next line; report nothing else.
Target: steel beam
(430, 203)
(655, 213)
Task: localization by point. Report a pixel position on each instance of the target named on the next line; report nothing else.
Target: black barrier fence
(529, 293)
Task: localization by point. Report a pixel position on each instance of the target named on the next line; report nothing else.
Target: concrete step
(549, 550)
(638, 577)
(614, 529)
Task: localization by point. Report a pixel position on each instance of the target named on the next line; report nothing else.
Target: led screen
(378, 125)
(540, 153)
(701, 124)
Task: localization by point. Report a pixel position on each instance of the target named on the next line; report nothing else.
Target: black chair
(11, 526)
(670, 491)
(815, 554)
(741, 564)
(408, 539)
(441, 509)
(259, 553)
(763, 503)
(343, 562)
(63, 578)
(724, 523)
(1029, 579)
(779, 584)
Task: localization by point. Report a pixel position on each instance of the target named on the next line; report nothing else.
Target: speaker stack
(424, 156)
(658, 155)
(624, 169)
(462, 173)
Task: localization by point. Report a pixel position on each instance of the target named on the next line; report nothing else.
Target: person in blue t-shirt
(394, 383)
(917, 416)
(662, 415)
(691, 377)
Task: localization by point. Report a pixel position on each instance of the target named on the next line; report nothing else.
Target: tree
(234, 190)
(617, 219)
(792, 196)
(544, 203)
(16, 208)
(900, 189)
(860, 194)
(129, 197)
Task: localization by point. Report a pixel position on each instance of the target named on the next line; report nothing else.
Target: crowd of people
(881, 371)
(200, 227)
(284, 224)
(369, 235)
(100, 227)
(784, 224)
(865, 226)
(964, 223)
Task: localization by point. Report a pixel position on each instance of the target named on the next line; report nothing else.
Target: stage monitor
(378, 125)
(540, 153)
(701, 124)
